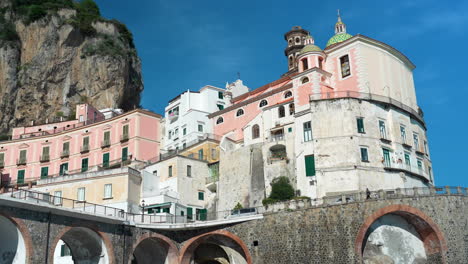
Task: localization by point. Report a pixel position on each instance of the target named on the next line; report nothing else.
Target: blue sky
(186, 44)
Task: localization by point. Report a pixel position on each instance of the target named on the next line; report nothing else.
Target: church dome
(310, 47)
(338, 38)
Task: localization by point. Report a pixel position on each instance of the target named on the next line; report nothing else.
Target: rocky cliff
(57, 53)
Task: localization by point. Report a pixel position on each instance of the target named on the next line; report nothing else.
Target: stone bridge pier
(429, 229)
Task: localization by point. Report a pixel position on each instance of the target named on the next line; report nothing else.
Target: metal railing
(21, 161)
(203, 215)
(418, 114)
(124, 138)
(45, 158)
(105, 143)
(84, 148)
(65, 154)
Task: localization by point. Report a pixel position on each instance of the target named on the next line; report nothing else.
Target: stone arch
(87, 245)
(150, 248)
(14, 229)
(429, 233)
(232, 245)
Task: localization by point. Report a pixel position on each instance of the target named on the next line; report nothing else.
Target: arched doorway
(400, 234)
(12, 245)
(218, 247)
(81, 245)
(154, 249)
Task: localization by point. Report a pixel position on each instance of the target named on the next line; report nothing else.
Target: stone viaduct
(294, 232)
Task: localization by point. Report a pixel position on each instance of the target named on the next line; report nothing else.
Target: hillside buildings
(342, 119)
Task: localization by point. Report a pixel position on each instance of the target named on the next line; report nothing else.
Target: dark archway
(85, 247)
(217, 247)
(154, 248)
(400, 234)
(13, 245)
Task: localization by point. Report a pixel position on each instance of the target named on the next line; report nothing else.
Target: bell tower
(295, 38)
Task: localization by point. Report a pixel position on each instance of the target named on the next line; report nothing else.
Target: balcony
(105, 144)
(406, 168)
(406, 145)
(21, 161)
(45, 158)
(419, 152)
(2, 164)
(124, 138)
(84, 149)
(65, 154)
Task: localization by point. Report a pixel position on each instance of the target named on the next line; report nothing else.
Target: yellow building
(118, 188)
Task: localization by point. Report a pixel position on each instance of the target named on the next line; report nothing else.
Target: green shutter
(20, 178)
(202, 214)
(220, 95)
(125, 130)
(84, 164)
(45, 151)
(310, 165)
(62, 250)
(189, 213)
(166, 210)
(66, 147)
(86, 141)
(289, 129)
(200, 154)
(124, 154)
(105, 160)
(201, 196)
(44, 172)
(184, 131)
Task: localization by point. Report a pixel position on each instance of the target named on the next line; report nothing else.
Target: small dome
(309, 48)
(338, 38)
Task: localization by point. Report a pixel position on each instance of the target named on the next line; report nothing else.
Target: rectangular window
(200, 154)
(420, 165)
(44, 172)
(81, 194)
(105, 160)
(407, 160)
(85, 144)
(310, 165)
(386, 158)
(124, 154)
(107, 191)
(125, 131)
(429, 171)
(65, 250)
(416, 141)
(201, 196)
(58, 197)
(307, 131)
(170, 171)
(220, 95)
(383, 129)
(20, 178)
(425, 148)
(106, 138)
(184, 131)
(289, 129)
(166, 210)
(63, 169)
(364, 155)
(189, 171)
(2, 160)
(189, 213)
(345, 67)
(45, 154)
(200, 128)
(84, 164)
(155, 173)
(220, 107)
(305, 65)
(66, 148)
(22, 157)
(403, 134)
(214, 154)
(360, 125)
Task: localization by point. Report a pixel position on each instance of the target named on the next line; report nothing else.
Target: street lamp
(142, 211)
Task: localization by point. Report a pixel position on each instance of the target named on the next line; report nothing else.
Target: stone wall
(306, 234)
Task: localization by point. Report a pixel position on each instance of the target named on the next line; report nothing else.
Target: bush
(238, 206)
(268, 201)
(35, 12)
(8, 32)
(106, 47)
(125, 34)
(281, 189)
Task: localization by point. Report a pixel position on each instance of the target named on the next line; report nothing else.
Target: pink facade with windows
(86, 144)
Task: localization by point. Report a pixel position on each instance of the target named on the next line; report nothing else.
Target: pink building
(90, 142)
(342, 119)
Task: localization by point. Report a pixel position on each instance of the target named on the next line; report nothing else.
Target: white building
(186, 116)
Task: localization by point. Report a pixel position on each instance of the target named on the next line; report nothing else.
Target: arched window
(305, 65)
(291, 109)
(240, 112)
(263, 103)
(290, 61)
(220, 120)
(305, 80)
(255, 131)
(288, 94)
(281, 112)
